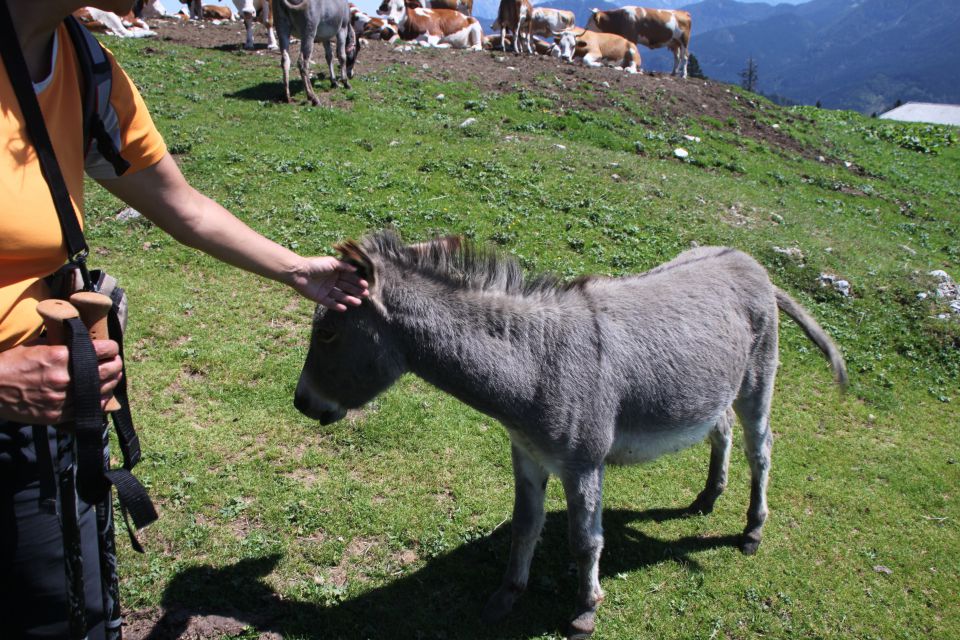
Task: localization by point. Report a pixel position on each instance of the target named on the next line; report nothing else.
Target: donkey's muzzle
(316, 408)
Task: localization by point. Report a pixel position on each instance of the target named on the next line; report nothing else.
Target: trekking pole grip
(93, 309)
(54, 313)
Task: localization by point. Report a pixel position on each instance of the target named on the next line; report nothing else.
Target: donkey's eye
(326, 336)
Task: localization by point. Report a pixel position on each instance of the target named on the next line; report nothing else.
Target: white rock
(692, 138)
(394, 143)
(821, 159)
(440, 96)
(847, 164)
(922, 295)
(776, 126)
(128, 214)
(955, 306)
(842, 286)
(468, 122)
(559, 146)
(790, 252)
(826, 278)
(940, 275)
(680, 152)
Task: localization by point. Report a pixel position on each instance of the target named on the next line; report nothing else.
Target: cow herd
(609, 38)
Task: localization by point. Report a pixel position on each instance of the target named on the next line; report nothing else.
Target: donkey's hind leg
(753, 409)
(721, 441)
(530, 480)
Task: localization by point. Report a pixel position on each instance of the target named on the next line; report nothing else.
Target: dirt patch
(570, 86)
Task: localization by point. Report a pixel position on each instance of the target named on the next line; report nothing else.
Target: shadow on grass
(273, 91)
(443, 599)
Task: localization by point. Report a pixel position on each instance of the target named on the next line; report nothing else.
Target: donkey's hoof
(582, 626)
(702, 506)
(499, 605)
(749, 545)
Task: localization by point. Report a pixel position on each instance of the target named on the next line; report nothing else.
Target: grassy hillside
(395, 522)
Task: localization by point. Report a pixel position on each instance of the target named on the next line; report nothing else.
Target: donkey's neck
(485, 348)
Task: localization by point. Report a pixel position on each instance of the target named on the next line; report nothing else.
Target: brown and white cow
(253, 11)
(512, 14)
(463, 6)
(493, 43)
(126, 26)
(653, 28)
(548, 22)
(370, 27)
(595, 49)
(433, 27)
(216, 12)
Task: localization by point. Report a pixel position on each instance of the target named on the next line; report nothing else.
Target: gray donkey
(316, 21)
(618, 370)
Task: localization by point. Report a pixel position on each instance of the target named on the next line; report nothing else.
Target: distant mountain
(854, 54)
(715, 14)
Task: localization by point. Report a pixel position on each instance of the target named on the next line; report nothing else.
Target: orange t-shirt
(31, 242)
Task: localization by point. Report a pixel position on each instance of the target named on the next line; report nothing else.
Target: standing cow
(257, 11)
(653, 28)
(316, 21)
(512, 14)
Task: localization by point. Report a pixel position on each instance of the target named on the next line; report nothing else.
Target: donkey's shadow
(444, 599)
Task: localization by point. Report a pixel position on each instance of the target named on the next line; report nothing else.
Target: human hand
(330, 282)
(35, 381)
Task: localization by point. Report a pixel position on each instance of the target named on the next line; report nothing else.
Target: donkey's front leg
(530, 480)
(584, 490)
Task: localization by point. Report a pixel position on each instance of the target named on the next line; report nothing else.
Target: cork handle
(93, 308)
(54, 314)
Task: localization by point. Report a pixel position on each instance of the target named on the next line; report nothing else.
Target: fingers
(106, 349)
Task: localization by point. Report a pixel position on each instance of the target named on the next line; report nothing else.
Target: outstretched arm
(162, 194)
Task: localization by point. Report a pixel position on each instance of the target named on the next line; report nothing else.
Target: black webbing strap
(92, 485)
(77, 249)
(122, 420)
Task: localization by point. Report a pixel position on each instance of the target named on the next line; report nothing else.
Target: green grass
(395, 522)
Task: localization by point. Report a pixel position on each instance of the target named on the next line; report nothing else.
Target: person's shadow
(443, 600)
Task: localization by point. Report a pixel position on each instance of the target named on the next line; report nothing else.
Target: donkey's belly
(643, 444)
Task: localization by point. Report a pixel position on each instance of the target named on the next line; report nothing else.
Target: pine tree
(693, 68)
(748, 77)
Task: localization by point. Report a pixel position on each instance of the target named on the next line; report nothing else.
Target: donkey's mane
(462, 264)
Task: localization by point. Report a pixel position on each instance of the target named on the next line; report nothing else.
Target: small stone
(425, 66)
(776, 217)
(940, 275)
(559, 146)
(394, 143)
(922, 295)
(843, 287)
(882, 569)
(821, 159)
(440, 96)
(615, 177)
(468, 122)
(681, 153)
(128, 214)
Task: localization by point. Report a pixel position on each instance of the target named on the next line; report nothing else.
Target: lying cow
(493, 43)
(596, 49)
(216, 12)
(128, 26)
(257, 11)
(369, 27)
(653, 28)
(316, 21)
(463, 6)
(433, 27)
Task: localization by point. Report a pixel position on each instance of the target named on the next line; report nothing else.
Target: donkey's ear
(351, 253)
(444, 244)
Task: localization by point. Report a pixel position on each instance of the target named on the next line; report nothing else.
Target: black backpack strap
(100, 120)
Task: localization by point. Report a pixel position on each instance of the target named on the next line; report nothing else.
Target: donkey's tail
(815, 332)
